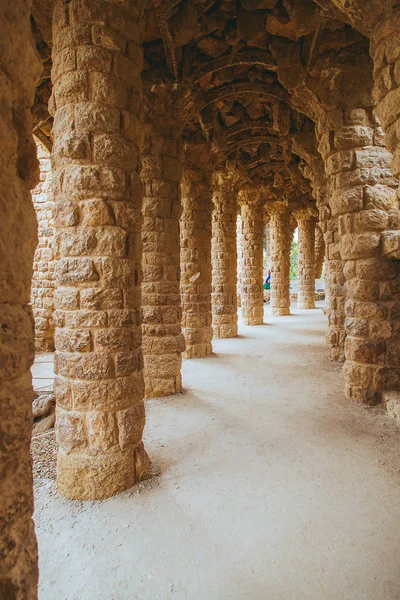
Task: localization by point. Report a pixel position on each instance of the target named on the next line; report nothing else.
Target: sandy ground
(271, 486)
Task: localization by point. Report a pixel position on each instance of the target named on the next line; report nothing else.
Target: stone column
(335, 283)
(362, 192)
(306, 267)
(224, 257)
(163, 342)
(99, 365)
(196, 192)
(267, 260)
(319, 252)
(42, 296)
(281, 240)
(239, 262)
(252, 262)
(20, 70)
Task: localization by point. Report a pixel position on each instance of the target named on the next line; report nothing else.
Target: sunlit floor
(271, 487)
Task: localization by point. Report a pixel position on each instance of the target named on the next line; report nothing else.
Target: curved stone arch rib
(267, 139)
(259, 57)
(239, 89)
(249, 127)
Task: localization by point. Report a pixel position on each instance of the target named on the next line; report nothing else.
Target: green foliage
(294, 259)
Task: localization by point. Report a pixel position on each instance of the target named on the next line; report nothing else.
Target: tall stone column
(196, 192)
(239, 263)
(252, 261)
(20, 70)
(42, 295)
(335, 282)
(306, 267)
(361, 204)
(224, 257)
(281, 240)
(163, 341)
(99, 366)
(319, 252)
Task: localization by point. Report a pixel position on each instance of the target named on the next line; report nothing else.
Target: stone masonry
(224, 257)
(163, 342)
(99, 365)
(306, 266)
(196, 250)
(319, 252)
(281, 240)
(252, 262)
(44, 260)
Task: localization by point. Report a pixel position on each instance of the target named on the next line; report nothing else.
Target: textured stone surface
(195, 222)
(224, 257)
(99, 365)
(319, 252)
(19, 73)
(252, 220)
(281, 239)
(44, 260)
(371, 346)
(163, 342)
(306, 265)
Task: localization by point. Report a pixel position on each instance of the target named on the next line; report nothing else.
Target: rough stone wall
(19, 73)
(44, 260)
(361, 196)
(99, 366)
(163, 342)
(306, 266)
(195, 225)
(281, 239)
(224, 257)
(252, 262)
(319, 252)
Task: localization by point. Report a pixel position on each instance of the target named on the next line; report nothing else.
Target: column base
(253, 320)
(225, 331)
(155, 387)
(197, 351)
(280, 312)
(95, 477)
(365, 396)
(337, 355)
(307, 304)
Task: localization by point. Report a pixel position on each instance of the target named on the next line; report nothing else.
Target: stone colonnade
(99, 367)
(196, 285)
(251, 267)
(224, 258)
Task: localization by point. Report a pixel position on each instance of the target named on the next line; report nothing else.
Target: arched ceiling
(256, 75)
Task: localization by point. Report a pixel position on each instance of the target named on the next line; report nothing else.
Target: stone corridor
(272, 486)
(150, 151)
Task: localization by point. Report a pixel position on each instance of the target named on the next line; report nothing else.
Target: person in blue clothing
(267, 287)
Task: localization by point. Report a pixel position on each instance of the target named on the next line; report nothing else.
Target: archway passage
(164, 120)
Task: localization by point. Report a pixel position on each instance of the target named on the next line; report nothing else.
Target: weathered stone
(99, 266)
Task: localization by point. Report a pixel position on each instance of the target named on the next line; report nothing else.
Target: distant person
(267, 287)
